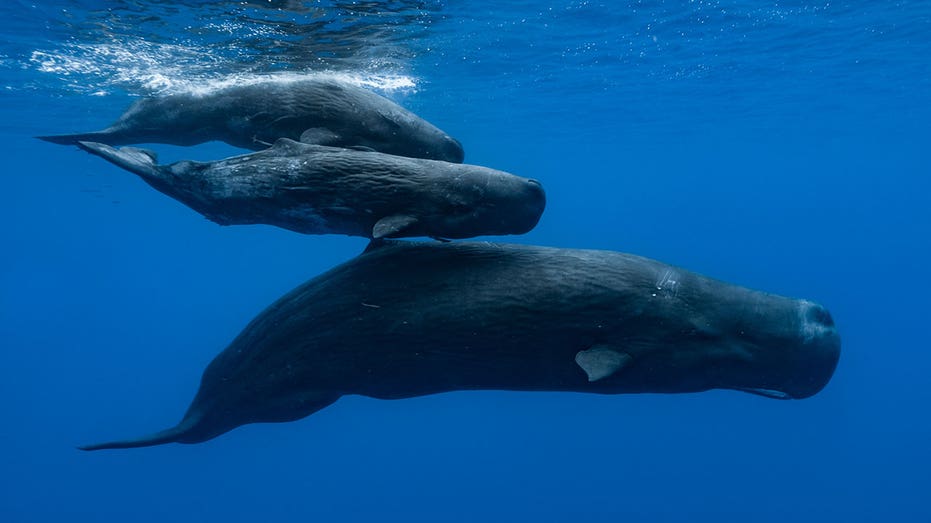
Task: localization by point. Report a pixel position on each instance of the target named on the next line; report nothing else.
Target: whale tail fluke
(133, 159)
(73, 139)
(172, 435)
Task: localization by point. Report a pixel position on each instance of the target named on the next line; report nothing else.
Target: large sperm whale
(406, 319)
(321, 111)
(314, 189)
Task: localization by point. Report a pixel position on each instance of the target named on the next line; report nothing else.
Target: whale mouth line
(769, 393)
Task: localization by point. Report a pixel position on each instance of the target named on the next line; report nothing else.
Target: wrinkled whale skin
(407, 319)
(314, 189)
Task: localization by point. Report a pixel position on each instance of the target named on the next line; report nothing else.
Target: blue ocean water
(778, 145)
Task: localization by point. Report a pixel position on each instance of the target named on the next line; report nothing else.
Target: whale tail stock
(133, 159)
(73, 139)
(198, 426)
(172, 435)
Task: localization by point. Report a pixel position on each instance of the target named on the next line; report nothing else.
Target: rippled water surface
(781, 145)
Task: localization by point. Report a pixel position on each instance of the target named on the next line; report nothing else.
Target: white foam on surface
(153, 69)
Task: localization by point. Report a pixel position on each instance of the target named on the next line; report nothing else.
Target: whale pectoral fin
(392, 225)
(601, 361)
(319, 136)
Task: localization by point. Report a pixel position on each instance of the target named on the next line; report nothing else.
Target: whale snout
(809, 360)
(534, 203)
(815, 318)
(819, 350)
(452, 150)
(506, 204)
(433, 144)
(795, 352)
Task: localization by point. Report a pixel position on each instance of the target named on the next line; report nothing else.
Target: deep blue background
(782, 146)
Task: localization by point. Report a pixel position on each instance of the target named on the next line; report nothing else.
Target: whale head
(792, 359)
(708, 334)
(403, 133)
(480, 201)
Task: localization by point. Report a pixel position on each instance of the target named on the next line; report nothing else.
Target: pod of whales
(313, 189)
(407, 319)
(321, 111)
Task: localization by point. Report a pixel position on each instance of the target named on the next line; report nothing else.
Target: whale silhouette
(406, 319)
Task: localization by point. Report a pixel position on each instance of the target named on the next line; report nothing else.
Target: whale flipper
(320, 136)
(133, 159)
(391, 225)
(599, 362)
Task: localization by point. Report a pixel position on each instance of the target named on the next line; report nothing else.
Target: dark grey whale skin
(407, 319)
(324, 111)
(313, 189)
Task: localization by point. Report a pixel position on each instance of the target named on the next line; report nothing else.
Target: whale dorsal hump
(392, 225)
(600, 361)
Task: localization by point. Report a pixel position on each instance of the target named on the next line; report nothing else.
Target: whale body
(406, 319)
(314, 189)
(321, 111)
